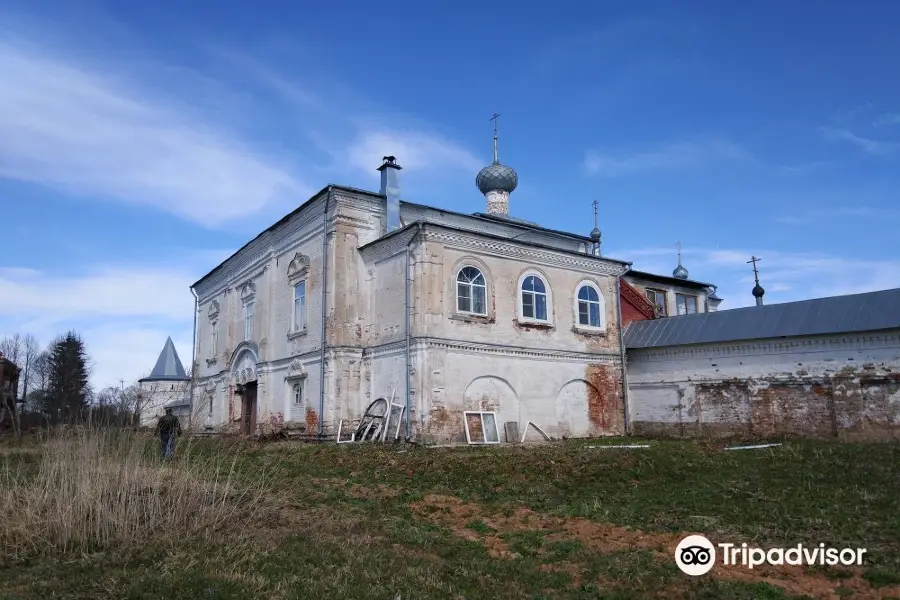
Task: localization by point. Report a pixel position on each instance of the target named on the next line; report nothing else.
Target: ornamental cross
(753, 260)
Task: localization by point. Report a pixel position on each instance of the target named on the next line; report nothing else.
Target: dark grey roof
(168, 365)
(870, 311)
(666, 279)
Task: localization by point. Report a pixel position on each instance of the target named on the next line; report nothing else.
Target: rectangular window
(300, 306)
(687, 305)
(297, 393)
(213, 339)
(527, 305)
(470, 299)
(248, 321)
(658, 299)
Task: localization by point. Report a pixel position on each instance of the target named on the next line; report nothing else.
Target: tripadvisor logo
(696, 555)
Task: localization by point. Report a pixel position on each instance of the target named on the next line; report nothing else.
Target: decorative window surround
(536, 289)
(298, 275)
(586, 328)
(213, 310)
(471, 292)
(213, 343)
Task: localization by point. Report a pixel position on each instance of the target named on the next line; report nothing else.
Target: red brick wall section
(635, 306)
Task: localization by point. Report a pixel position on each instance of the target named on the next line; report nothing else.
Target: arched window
(590, 307)
(534, 298)
(471, 291)
(297, 394)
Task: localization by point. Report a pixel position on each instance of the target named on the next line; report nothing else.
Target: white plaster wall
(436, 314)
(156, 394)
(264, 262)
(554, 393)
(816, 385)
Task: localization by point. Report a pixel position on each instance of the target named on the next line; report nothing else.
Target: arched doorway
(244, 378)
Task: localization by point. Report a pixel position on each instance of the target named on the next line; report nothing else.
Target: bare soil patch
(458, 516)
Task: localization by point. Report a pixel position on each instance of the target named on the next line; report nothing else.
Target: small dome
(758, 291)
(595, 235)
(680, 272)
(497, 177)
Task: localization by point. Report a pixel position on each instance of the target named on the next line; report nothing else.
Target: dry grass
(89, 489)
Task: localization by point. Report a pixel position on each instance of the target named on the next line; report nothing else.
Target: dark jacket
(168, 425)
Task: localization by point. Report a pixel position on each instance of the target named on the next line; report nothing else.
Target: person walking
(167, 428)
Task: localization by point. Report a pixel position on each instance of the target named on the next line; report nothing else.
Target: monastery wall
(845, 386)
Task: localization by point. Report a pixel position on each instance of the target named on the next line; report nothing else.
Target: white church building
(359, 295)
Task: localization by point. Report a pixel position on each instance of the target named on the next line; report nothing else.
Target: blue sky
(142, 142)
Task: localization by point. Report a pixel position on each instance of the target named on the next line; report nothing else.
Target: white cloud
(69, 127)
(887, 119)
(664, 157)
(99, 292)
(122, 312)
(867, 145)
(414, 151)
(786, 276)
(840, 212)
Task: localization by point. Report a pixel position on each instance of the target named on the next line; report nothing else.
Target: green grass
(553, 521)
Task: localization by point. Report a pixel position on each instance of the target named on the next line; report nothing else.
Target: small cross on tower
(753, 260)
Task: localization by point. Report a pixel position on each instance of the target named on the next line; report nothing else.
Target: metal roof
(168, 365)
(667, 279)
(870, 311)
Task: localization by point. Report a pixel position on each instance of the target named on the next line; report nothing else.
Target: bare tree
(11, 348)
(30, 351)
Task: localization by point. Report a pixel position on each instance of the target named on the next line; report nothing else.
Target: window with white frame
(299, 319)
(210, 404)
(471, 291)
(213, 338)
(534, 298)
(591, 311)
(248, 320)
(297, 394)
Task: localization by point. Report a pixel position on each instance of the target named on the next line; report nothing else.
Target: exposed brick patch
(604, 405)
(312, 419)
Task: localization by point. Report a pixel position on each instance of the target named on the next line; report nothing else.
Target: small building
(827, 367)
(167, 386)
(9, 389)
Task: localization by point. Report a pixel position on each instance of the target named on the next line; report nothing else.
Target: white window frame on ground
(601, 307)
(487, 438)
(534, 280)
(476, 283)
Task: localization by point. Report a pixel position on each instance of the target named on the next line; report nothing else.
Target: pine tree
(67, 386)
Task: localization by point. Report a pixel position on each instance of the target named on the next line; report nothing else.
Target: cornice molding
(515, 351)
(533, 256)
(388, 248)
(365, 203)
(753, 348)
(261, 249)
